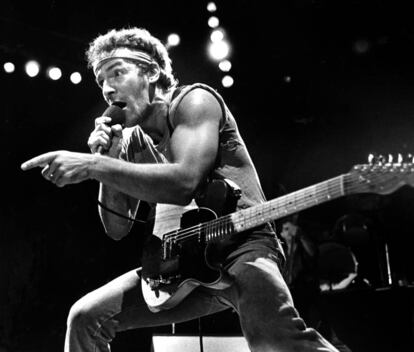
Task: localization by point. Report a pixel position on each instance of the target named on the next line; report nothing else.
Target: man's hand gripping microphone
(117, 114)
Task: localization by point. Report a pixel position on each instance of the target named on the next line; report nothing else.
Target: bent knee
(265, 273)
(266, 265)
(82, 314)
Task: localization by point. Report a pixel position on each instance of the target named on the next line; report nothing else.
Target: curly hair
(134, 39)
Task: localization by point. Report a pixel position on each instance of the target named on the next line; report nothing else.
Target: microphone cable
(119, 214)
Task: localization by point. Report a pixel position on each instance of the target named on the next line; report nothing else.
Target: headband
(123, 53)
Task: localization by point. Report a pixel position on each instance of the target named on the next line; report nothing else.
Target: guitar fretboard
(274, 209)
(260, 214)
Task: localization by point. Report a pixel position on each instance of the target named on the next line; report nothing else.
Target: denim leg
(259, 294)
(119, 305)
(91, 324)
(262, 299)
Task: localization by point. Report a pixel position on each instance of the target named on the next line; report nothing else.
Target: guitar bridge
(154, 284)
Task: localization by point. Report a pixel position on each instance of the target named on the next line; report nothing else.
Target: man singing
(173, 141)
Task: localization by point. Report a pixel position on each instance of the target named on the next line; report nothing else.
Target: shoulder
(197, 103)
(198, 100)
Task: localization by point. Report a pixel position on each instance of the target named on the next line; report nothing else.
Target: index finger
(102, 120)
(40, 160)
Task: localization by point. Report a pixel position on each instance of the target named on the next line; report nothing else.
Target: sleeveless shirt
(233, 161)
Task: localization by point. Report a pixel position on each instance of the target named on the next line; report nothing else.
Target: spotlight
(173, 40)
(8, 67)
(213, 22)
(216, 35)
(54, 73)
(211, 7)
(225, 65)
(219, 50)
(75, 78)
(32, 68)
(227, 81)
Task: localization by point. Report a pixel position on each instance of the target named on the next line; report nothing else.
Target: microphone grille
(116, 113)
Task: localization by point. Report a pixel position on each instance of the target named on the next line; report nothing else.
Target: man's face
(124, 81)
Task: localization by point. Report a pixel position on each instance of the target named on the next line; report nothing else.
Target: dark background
(350, 93)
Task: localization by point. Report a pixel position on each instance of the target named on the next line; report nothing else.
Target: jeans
(258, 294)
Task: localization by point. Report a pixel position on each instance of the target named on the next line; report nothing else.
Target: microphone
(117, 114)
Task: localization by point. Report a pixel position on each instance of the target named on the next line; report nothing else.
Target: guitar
(183, 259)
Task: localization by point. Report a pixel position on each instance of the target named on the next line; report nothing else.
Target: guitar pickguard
(179, 261)
(186, 259)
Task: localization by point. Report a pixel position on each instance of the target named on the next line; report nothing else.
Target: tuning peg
(400, 158)
(410, 158)
(390, 158)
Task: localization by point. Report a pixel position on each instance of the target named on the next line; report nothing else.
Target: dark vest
(233, 160)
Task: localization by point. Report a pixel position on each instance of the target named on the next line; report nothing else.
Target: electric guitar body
(182, 260)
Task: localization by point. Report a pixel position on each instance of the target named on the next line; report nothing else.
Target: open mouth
(120, 104)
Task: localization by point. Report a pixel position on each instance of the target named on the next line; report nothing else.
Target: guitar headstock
(380, 176)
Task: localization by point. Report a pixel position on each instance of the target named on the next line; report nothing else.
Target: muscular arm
(193, 147)
(116, 226)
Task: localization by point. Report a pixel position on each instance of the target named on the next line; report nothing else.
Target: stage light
(213, 22)
(211, 7)
(75, 78)
(219, 50)
(32, 68)
(225, 65)
(227, 81)
(216, 35)
(8, 67)
(173, 40)
(54, 73)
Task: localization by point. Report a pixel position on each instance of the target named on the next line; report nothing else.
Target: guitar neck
(277, 208)
(289, 204)
(380, 178)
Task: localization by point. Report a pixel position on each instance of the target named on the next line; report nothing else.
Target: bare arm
(194, 144)
(114, 206)
(116, 226)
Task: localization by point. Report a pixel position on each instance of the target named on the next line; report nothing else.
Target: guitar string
(252, 213)
(225, 223)
(330, 187)
(292, 195)
(327, 189)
